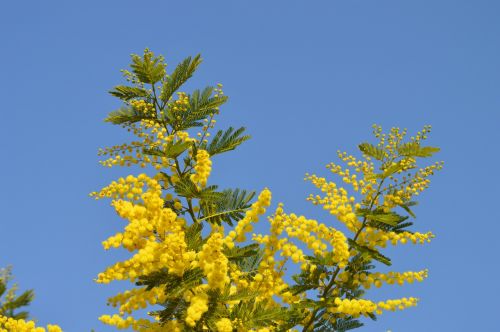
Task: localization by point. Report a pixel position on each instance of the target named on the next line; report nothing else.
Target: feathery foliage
(193, 260)
(10, 303)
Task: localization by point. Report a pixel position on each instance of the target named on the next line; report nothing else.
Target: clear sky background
(306, 78)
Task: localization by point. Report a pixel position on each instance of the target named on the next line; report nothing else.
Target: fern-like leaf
(148, 68)
(230, 208)
(128, 92)
(127, 116)
(371, 253)
(226, 140)
(179, 76)
(413, 149)
(372, 151)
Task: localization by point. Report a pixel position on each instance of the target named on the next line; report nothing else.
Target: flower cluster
(8, 324)
(202, 168)
(357, 307)
(138, 298)
(196, 309)
(336, 201)
(213, 262)
(153, 137)
(244, 226)
(224, 325)
(181, 104)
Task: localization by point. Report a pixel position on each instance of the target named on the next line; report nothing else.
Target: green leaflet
(255, 315)
(202, 105)
(372, 151)
(201, 102)
(227, 140)
(372, 253)
(8, 305)
(389, 218)
(125, 115)
(175, 285)
(330, 323)
(128, 92)
(392, 169)
(186, 188)
(240, 253)
(406, 207)
(386, 221)
(3, 287)
(230, 208)
(179, 76)
(194, 238)
(148, 68)
(173, 150)
(413, 149)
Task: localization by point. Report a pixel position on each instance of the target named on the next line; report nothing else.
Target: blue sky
(305, 77)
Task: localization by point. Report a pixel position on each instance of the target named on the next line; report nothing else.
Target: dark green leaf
(128, 92)
(3, 288)
(230, 208)
(372, 253)
(226, 141)
(125, 115)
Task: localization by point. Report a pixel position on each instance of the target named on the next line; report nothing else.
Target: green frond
(208, 195)
(201, 102)
(359, 264)
(174, 308)
(21, 315)
(241, 295)
(406, 207)
(201, 106)
(11, 302)
(254, 315)
(3, 287)
(413, 149)
(392, 169)
(371, 253)
(175, 285)
(128, 92)
(172, 150)
(22, 300)
(250, 263)
(148, 68)
(231, 207)
(387, 218)
(346, 324)
(126, 115)
(402, 227)
(194, 239)
(372, 151)
(241, 254)
(179, 76)
(228, 140)
(386, 221)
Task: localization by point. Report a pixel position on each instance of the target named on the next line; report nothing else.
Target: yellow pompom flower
(8, 324)
(196, 309)
(202, 168)
(213, 262)
(224, 325)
